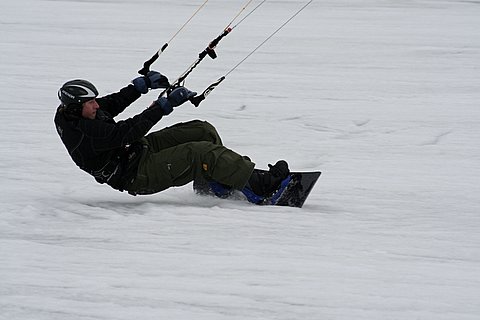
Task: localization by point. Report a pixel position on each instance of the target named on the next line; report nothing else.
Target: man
(122, 154)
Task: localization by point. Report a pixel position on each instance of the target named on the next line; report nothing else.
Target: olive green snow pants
(188, 151)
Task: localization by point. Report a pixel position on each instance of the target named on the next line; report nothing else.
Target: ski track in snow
(381, 96)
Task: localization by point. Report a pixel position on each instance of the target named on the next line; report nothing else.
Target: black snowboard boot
(265, 183)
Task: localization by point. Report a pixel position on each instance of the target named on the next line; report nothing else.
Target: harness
(121, 170)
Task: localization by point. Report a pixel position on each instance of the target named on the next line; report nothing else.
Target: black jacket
(103, 147)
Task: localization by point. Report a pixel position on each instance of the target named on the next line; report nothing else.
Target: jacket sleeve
(115, 103)
(108, 136)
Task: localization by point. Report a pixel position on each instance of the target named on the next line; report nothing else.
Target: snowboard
(292, 192)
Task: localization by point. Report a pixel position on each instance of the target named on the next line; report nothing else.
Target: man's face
(89, 109)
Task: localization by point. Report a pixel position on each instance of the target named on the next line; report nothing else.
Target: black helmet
(77, 92)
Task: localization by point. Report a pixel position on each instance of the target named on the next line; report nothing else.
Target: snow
(381, 96)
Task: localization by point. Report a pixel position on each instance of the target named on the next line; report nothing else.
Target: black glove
(280, 169)
(153, 80)
(177, 97)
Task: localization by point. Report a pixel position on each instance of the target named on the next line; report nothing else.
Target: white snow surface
(382, 96)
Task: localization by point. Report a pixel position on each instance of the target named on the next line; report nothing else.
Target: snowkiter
(123, 155)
